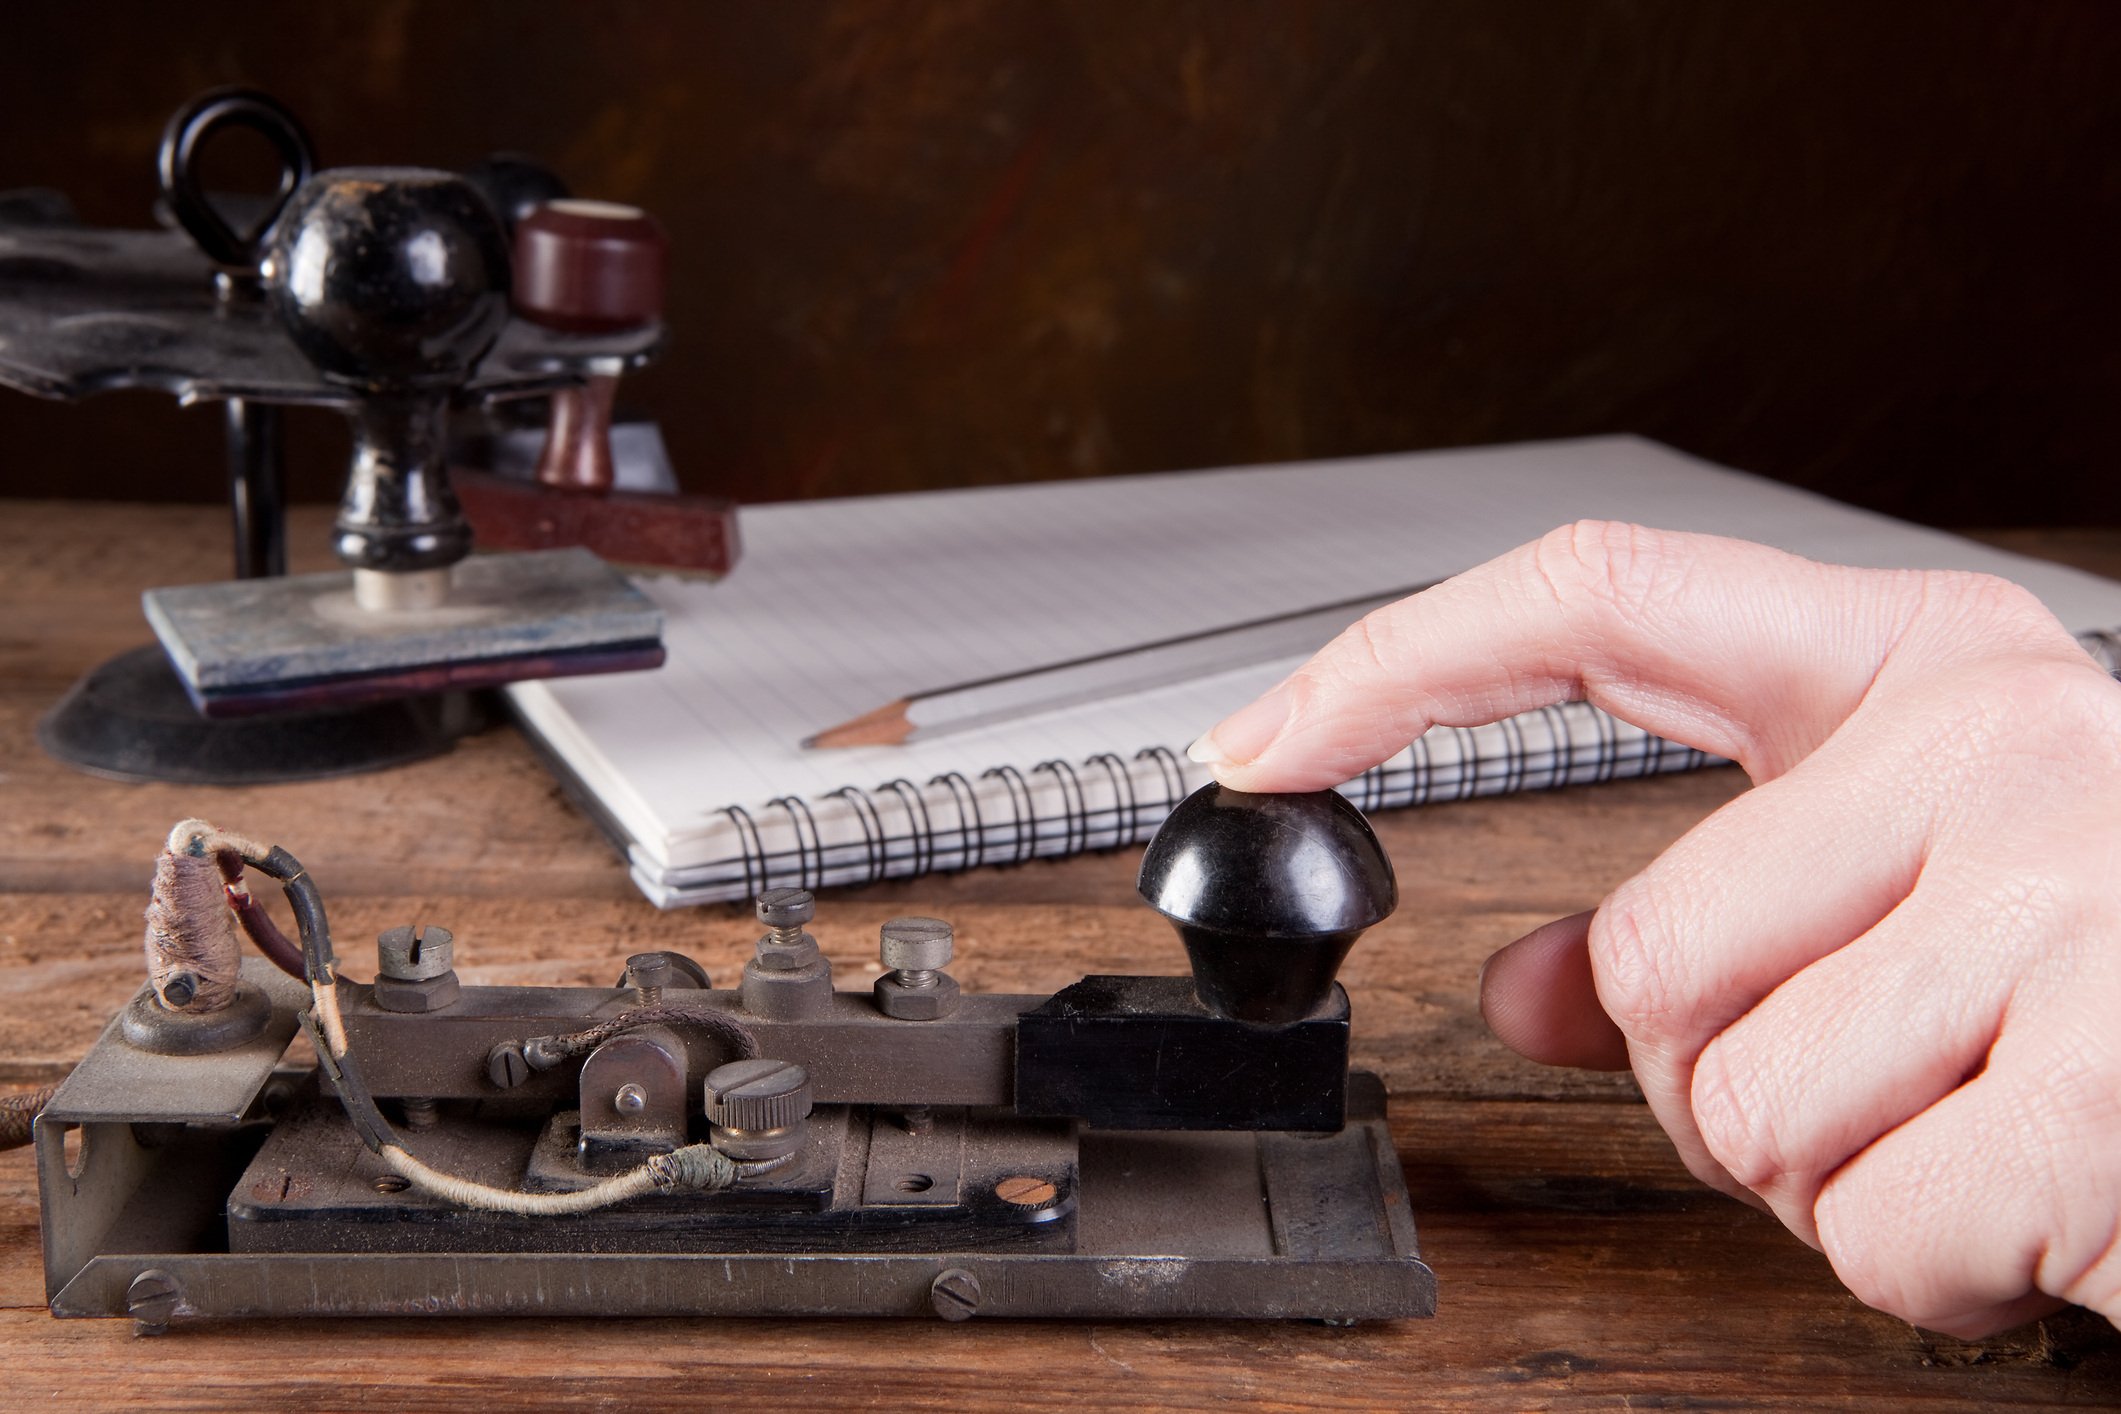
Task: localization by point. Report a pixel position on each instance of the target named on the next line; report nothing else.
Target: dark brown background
(1867, 248)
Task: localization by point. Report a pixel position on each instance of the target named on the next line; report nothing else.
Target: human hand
(1880, 993)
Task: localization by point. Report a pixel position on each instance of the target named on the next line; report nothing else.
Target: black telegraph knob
(390, 277)
(1268, 892)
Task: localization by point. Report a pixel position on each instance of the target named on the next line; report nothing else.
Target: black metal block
(1144, 1053)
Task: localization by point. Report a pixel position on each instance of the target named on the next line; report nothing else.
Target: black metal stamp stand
(385, 297)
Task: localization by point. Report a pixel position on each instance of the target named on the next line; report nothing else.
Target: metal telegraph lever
(1129, 1146)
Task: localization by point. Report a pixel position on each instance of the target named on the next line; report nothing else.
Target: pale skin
(1879, 993)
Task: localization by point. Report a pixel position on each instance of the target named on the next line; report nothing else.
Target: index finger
(1737, 649)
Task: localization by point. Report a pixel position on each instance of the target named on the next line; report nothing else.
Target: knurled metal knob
(758, 1094)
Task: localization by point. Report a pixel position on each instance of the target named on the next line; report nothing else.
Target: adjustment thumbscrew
(784, 912)
(758, 1108)
(649, 972)
(915, 949)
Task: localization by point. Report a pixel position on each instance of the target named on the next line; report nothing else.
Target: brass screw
(1023, 1191)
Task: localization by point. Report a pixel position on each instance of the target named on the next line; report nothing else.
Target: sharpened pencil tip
(886, 726)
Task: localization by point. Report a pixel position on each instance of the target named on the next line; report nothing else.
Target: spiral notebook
(697, 770)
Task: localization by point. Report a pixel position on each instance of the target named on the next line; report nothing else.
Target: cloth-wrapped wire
(545, 1052)
(697, 1166)
(195, 907)
(18, 1115)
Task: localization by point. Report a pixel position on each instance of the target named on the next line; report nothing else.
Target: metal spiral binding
(1075, 813)
(967, 807)
(917, 821)
(865, 815)
(798, 815)
(1123, 830)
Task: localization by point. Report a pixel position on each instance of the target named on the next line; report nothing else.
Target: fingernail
(1240, 738)
(1205, 751)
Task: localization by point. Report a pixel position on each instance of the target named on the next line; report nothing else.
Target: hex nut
(406, 954)
(428, 994)
(777, 956)
(895, 999)
(786, 908)
(915, 944)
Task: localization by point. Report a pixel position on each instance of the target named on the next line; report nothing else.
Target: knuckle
(2047, 689)
(1961, 614)
(1368, 649)
(1612, 565)
(1963, 600)
(1862, 1239)
(2013, 728)
(1738, 1122)
(1634, 959)
(2066, 1095)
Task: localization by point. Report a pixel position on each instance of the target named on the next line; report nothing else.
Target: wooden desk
(1579, 1263)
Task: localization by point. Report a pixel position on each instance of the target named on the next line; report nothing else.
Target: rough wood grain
(1580, 1265)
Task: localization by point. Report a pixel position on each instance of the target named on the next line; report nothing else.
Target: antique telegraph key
(392, 294)
(1127, 1147)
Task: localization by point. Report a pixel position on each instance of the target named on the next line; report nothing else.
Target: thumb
(1724, 645)
(1538, 997)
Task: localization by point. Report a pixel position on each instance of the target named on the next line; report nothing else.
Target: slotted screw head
(648, 969)
(786, 908)
(955, 1294)
(915, 944)
(506, 1067)
(153, 1297)
(761, 1093)
(1025, 1190)
(410, 954)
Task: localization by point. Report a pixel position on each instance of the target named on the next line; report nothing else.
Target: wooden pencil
(1098, 676)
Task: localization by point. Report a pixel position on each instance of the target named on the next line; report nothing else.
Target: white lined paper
(841, 606)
